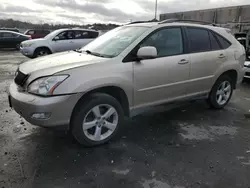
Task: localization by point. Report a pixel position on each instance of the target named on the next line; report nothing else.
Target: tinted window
(199, 40)
(7, 35)
(31, 32)
(223, 42)
(166, 41)
(85, 34)
(214, 42)
(41, 32)
(45, 32)
(66, 35)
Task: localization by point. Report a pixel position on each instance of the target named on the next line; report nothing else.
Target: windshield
(52, 34)
(115, 41)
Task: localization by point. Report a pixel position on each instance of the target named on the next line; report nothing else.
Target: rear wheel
(42, 52)
(97, 120)
(221, 92)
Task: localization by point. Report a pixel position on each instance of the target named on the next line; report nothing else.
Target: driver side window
(167, 42)
(66, 35)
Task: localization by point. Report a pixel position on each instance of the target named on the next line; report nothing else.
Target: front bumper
(60, 108)
(27, 51)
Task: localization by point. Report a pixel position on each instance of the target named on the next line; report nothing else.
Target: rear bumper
(247, 73)
(58, 108)
(241, 75)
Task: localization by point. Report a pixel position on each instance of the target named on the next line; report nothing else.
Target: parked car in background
(11, 39)
(58, 41)
(89, 91)
(37, 33)
(247, 75)
(244, 39)
(10, 29)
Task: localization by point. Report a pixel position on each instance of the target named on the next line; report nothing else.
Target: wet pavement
(177, 146)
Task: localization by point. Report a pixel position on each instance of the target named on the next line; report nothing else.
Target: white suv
(58, 41)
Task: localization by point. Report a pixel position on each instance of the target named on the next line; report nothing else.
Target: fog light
(41, 115)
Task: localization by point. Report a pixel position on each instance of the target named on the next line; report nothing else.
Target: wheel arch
(114, 91)
(41, 47)
(232, 73)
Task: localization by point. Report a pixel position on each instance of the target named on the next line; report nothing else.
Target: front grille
(20, 78)
(247, 74)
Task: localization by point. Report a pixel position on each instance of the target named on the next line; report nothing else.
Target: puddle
(192, 132)
(153, 183)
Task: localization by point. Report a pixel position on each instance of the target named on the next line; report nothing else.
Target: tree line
(10, 23)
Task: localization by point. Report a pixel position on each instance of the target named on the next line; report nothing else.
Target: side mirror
(147, 52)
(56, 38)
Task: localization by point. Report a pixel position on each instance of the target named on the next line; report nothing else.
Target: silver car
(89, 91)
(58, 41)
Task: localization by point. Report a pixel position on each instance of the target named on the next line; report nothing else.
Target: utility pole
(156, 8)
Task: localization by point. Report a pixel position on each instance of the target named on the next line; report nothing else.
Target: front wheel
(41, 52)
(221, 92)
(96, 120)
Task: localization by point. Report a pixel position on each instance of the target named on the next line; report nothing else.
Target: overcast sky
(103, 11)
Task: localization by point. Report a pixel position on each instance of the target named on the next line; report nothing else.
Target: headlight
(27, 44)
(46, 85)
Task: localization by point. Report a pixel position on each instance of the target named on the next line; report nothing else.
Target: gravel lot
(171, 146)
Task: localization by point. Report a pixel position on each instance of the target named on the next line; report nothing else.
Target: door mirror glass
(56, 38)
(147, 52)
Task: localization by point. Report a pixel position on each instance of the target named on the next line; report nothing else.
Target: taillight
(30, 37)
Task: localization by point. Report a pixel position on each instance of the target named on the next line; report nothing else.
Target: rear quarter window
(31, 32)
(223, 42)
(214, 42)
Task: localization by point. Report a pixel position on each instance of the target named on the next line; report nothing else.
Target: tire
(39, 52)
(17, 46)
(87, 134)
(218, 92)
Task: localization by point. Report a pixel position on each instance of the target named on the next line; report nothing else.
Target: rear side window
(214, 42)
(42, 32)
(8, 35)
(223, 42)
(199, 40)
(85, 34)
(31, 32)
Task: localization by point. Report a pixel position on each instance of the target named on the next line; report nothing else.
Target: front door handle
(183, 61)
(221, 56)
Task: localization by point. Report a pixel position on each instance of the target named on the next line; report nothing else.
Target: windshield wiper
(97, 54)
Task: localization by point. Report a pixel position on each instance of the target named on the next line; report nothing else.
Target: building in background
(236, 18)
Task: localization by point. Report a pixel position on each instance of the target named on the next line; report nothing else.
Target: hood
(33, 40)
(52, 64)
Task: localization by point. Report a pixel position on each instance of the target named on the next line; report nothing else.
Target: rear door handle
(221, 56)
(183, 61)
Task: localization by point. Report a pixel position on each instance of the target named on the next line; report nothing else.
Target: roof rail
(136, 22)
(185, 20)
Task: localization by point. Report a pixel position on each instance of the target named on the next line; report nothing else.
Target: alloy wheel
(42, 53)
(100, 122)
(223, 93)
